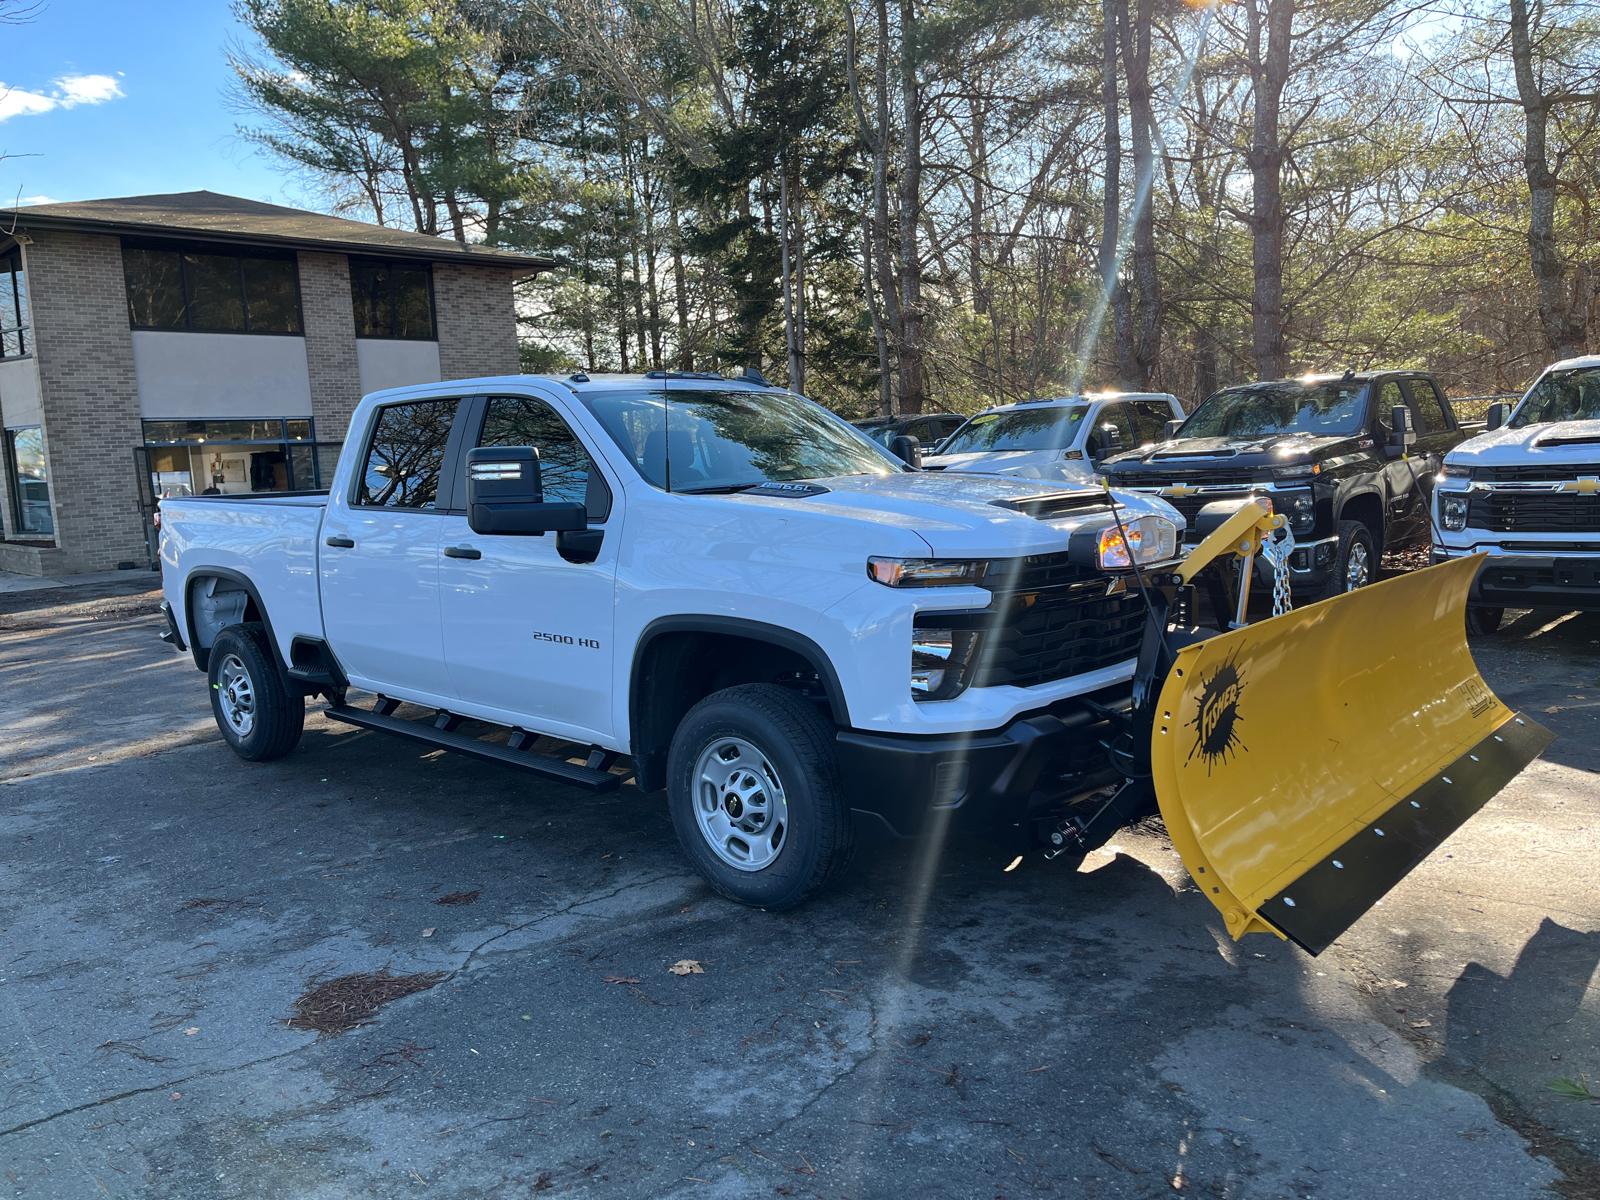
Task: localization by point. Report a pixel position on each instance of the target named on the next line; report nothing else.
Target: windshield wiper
(721, 489)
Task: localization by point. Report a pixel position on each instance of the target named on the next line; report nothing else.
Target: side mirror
(1402, 437)
(1498, 415)
(1170, 430)
(1110, 443)
(505, 495)
(908, 450)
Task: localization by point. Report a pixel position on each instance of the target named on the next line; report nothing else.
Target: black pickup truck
(1326, 450)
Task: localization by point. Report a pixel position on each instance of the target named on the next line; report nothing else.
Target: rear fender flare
(202, 654)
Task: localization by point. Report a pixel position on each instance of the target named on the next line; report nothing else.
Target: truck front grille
(1534, 512)
(1554, 472)
(1051, 619)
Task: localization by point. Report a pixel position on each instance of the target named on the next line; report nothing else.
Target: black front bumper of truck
(1008, 784)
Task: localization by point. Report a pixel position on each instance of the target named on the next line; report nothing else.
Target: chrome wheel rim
(236, 695)
(1357, 567)
(739, 804)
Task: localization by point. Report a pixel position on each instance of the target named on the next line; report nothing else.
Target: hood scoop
(1055, 504)
(1577, 439)
(1227, 453)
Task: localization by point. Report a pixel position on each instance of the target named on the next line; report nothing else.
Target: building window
(210, 458)
(30, 482)
(15, 338)
(172, 286)
(392, 299)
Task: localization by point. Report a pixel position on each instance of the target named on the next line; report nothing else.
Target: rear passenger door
(527, 633)
(379, 561)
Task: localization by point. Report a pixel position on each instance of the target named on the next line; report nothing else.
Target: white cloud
(40, 200)
(69, 91)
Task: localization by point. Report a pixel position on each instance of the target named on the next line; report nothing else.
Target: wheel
(258, 717)
(1483, 621)
(1355, 564)
(753, 789)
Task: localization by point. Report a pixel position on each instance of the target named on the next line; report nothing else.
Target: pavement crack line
(561, 912)
(160, 1087)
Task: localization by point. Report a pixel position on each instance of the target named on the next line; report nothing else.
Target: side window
(1389, 398)
(564, 465)
(1150, 417)
(1425, 405)
(923, 432)
(1112, 414)
(406, 455)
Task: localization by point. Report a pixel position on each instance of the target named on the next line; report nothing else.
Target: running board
(447, 739)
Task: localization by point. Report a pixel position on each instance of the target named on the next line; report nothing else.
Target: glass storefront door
(232, 457)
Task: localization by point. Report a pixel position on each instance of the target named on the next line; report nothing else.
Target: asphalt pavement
(935, 1026)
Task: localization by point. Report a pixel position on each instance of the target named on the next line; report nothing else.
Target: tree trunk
(680, 286)
(913, 383)
(1141, 120)
(1110, 228)
(1562, 310)
(790, 332)
(884, 397)
(1268, 74)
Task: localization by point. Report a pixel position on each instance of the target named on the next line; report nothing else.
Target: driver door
(1401, 476)
(527, 633)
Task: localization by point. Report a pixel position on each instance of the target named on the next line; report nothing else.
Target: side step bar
(446, 739)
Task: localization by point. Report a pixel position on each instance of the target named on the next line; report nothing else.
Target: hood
(1557, 443)
(962, 515)
(1024, 464)
(1199, 454)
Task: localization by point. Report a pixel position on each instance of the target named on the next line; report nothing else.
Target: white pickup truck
(1061, 439)
(1527, 494)
(781, 624)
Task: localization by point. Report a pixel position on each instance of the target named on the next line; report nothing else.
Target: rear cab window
(406, 455)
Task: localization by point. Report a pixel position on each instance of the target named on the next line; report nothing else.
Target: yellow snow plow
(1305, 764)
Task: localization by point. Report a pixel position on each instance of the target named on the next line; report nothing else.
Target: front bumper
(1005, 784)
(1534, 581)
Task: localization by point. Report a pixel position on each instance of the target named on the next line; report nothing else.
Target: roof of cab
(1067, 401)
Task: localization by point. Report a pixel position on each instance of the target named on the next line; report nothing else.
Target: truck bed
(268, 541)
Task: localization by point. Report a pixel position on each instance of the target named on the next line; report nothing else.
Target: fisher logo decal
(1216, 723)
(1479, 699)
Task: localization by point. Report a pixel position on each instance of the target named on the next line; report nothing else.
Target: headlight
(1456, 471)
(926, 572)
(1153, 539)
(1453, 512)
(1298, 471)
(941, 660)
(1299, 508)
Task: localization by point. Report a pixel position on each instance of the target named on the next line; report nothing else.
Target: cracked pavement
(932, 1026)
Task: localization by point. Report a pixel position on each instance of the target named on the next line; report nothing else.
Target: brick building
(160, 345)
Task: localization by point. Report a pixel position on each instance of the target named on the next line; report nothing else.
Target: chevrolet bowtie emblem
(1589, 485)
(1179, 489)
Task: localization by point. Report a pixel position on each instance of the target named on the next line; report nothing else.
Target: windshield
(729, 440)
(1562, 396)
(1281, 407)
(1020, 429)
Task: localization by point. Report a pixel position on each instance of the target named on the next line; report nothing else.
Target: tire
(1357, 557)
(1482, 621)
(258, 717)
(753, 790)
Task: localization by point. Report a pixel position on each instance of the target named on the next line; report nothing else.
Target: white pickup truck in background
(1527, 494)
(777, 621)
(1060, 440)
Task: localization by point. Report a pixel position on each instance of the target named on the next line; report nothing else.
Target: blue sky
(126, 98)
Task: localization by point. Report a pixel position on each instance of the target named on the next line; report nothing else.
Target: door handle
(462, 552)
(342, 543)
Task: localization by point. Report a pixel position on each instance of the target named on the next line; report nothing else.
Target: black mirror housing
(505, 495)
(1402, 436)
(1170, 430)
(907, 449)
(1110, 443)
(1497, 415)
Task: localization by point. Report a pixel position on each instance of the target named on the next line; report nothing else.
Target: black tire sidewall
(1482, 620)
(1349, 532)
(810, 790)
(275, 731)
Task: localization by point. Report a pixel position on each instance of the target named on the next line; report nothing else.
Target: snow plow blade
(1305, 764)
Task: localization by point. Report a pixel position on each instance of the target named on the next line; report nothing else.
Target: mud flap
(1304, 765)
